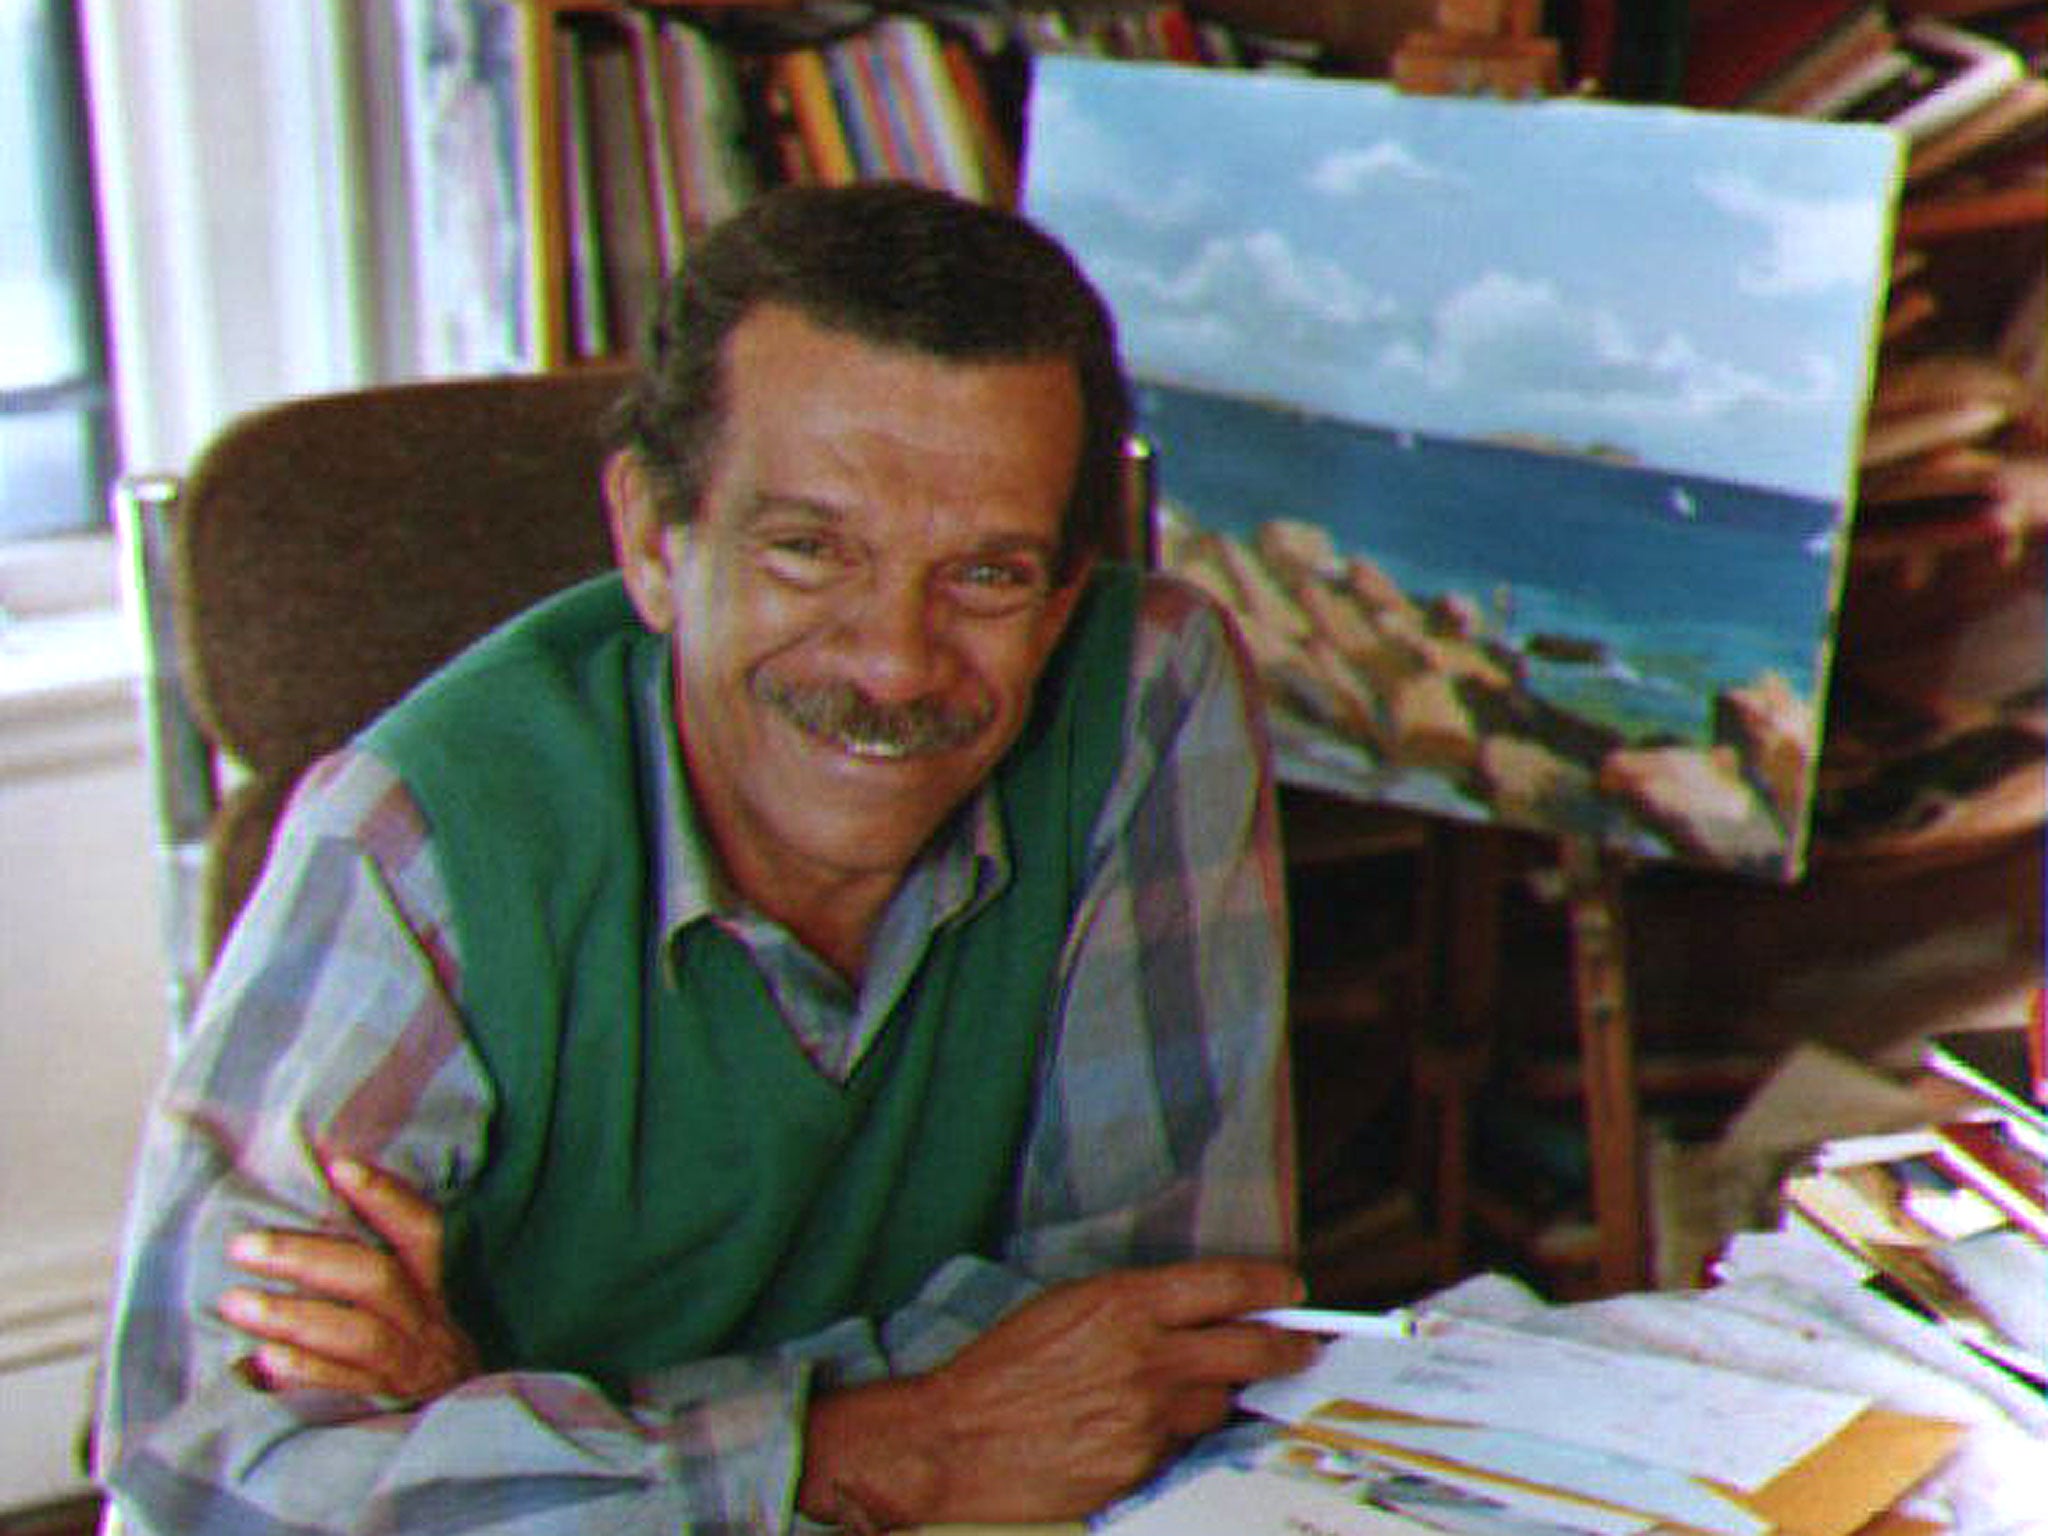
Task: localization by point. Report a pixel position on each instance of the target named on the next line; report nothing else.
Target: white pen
(1378, 1325)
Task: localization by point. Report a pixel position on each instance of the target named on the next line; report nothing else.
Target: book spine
(860, 111)
(888, 61)
(922, 65)
(1977, 1152)
(998, 163)
(807, 91)
(662, 166)
(588, 334)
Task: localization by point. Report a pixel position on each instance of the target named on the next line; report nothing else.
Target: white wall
(245, 260)
(83, 1014)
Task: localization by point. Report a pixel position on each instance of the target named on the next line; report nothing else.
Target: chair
(321, 556)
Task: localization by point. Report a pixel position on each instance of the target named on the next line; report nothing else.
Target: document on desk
(1233, 1501)
(1738, 1429)
(1600, 1491)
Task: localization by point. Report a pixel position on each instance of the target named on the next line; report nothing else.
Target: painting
(1519, 437)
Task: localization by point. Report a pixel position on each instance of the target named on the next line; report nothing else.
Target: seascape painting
(1519, 438)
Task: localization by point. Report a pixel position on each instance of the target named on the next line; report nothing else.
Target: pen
(1378, 1325)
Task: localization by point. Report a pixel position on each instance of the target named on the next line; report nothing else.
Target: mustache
(841, 712)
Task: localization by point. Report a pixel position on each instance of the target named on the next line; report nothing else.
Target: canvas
(1519, 437)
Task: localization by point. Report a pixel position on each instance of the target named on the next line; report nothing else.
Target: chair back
(320, 558)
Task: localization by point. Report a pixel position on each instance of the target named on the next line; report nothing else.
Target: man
(831, 1022)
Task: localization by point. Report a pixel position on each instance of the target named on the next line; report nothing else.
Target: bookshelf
(592, 138)
(584, 142)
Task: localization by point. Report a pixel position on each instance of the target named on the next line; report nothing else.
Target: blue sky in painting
(1698, 289)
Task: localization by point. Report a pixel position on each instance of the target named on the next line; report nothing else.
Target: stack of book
(1926, 67)
(1953, 1216)
(1161, 33)
(670, 120)
(1937, 743)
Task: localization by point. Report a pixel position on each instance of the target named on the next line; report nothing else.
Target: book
(658, 123)
(863, 117)
(804, 87)
(1851, 40)
(1957, 1283)
(2000, 1163)
(906, 59)
(629, 242)
(708, 109)
(919, 60)
(2014, 118)
(1862, 79)
(998, 159)
(588, 333)
(1734, 49)
(2006, 1067)
(1952, 73)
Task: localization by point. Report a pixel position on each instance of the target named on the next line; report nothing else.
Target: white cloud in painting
(1348, 172)
(1261, 275)
(1507, 338)
(1809, 244)
(1097, 163)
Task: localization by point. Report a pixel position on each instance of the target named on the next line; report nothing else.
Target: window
(56, 449)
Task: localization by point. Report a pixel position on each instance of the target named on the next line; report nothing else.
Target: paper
(1737, 1429)
(1230, 1501)
(1634, 1485)
(1469, 1506)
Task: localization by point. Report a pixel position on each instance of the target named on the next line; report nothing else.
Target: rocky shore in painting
(1420, 685)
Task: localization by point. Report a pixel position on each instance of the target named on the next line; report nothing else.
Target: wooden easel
(1480, 48)
(1493, 47)
(1592, 895)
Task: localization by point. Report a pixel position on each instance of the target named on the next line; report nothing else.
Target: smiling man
(789, 1032)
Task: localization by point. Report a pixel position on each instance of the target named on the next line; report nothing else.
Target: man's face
(863, 602)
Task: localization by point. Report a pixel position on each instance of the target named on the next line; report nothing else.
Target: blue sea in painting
(1685, 585)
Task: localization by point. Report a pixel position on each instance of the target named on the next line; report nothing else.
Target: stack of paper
(1954, 1216)
(1487, 1430)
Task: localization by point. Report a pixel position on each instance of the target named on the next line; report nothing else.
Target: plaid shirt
(1163, 1130)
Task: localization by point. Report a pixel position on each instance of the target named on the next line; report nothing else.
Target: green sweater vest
(666, 1175)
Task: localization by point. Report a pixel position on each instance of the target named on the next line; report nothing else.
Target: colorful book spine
(806, 88)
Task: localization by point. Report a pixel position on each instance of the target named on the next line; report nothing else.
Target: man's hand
(358, 1318)
(1069, 1401)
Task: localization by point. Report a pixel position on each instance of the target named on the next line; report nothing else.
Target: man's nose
(895, 643)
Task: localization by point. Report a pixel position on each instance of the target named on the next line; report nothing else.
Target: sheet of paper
(1452, 1497)
(1741, 1430)
(1636, 1485)
(1231, 1501)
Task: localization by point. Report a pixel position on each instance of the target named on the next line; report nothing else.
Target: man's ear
(639, 538)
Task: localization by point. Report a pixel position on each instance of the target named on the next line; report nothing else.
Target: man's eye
(998, 586)
(805, 558)
(994, 573)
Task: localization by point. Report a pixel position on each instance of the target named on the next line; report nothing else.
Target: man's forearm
(520, 1455)
(1063, 1405)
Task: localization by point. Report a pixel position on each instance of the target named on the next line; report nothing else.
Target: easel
(1493, 47)
(1479, 48)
